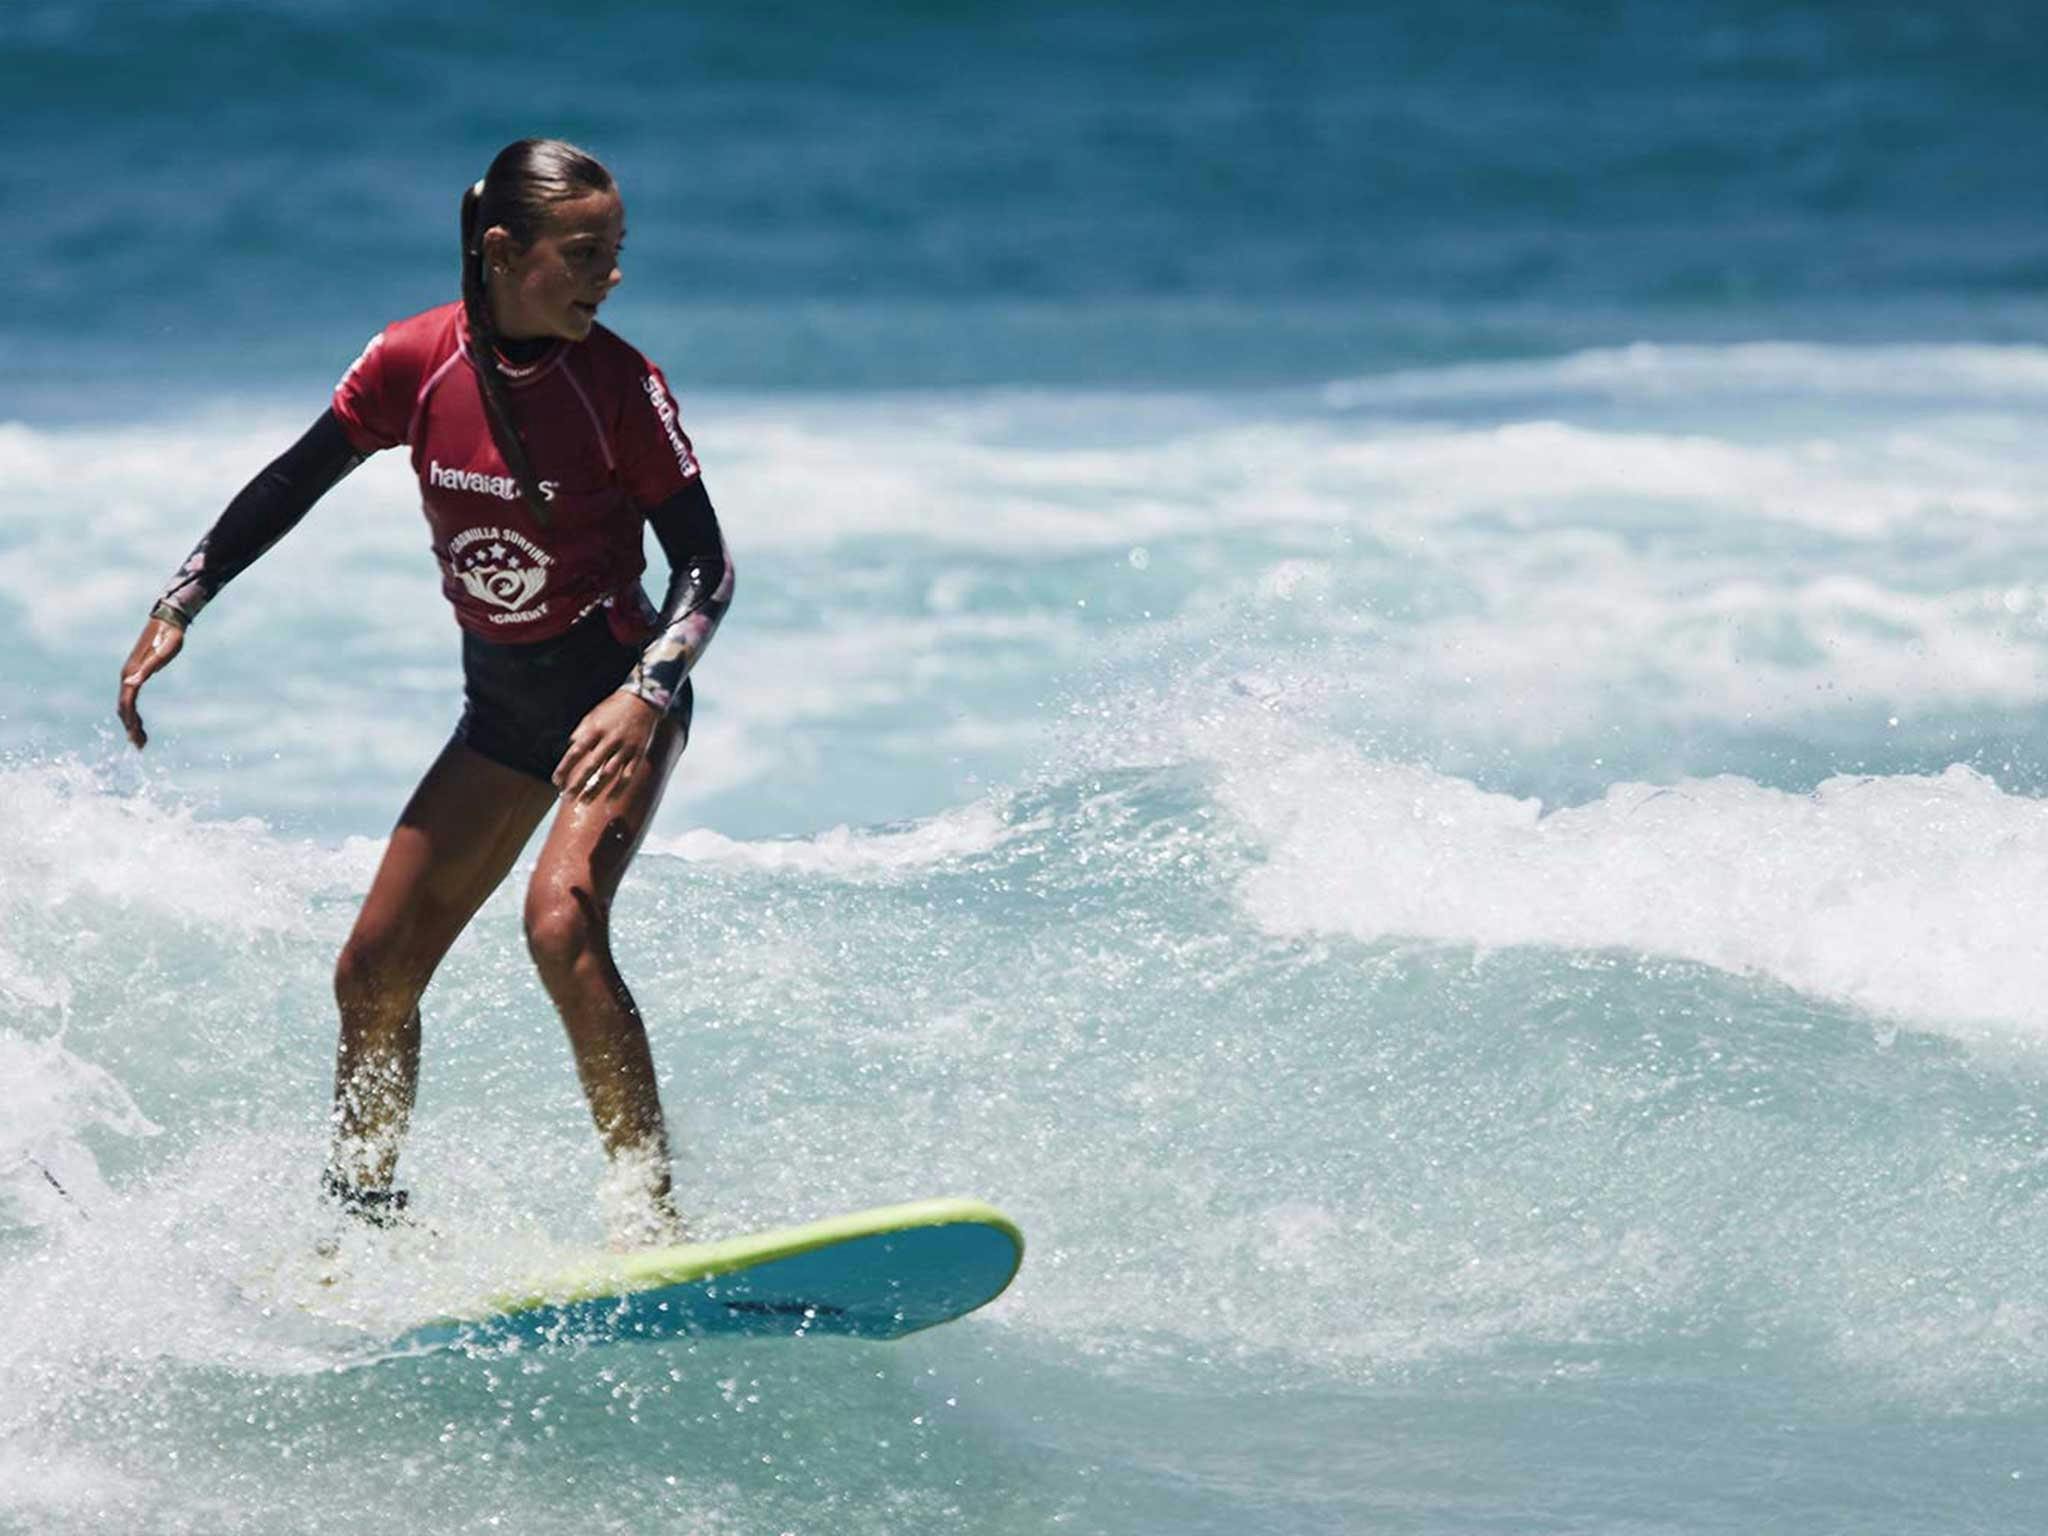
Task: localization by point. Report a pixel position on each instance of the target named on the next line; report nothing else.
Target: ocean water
(1389, 679)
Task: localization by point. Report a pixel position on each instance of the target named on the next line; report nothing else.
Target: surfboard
(875, 1274)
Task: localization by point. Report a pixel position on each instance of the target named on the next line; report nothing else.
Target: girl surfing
(543, 443)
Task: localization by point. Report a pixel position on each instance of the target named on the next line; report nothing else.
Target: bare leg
(454, 842)
(568, 930)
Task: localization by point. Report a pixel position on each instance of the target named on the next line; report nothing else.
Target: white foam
(1537, 577)
(1915, 898)
(66, 836)
(45, 1481)
(54, 1098)
(1645, 370)
(846, 853)
(1551, 658)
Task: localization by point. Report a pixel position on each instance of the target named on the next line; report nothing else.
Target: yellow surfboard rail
(656, 1268)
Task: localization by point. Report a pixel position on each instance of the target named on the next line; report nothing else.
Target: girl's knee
(563, 927)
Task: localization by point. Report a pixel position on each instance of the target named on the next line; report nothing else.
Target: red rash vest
(600, 430)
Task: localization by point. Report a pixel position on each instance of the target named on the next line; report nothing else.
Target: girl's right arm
(268, 508)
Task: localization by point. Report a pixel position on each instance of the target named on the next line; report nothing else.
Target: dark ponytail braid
(527, 178)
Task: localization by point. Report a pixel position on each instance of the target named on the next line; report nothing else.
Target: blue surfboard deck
(876, 1274)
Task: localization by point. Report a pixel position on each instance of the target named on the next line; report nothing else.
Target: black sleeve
(700, 584)
(688, 529)
(268, 508)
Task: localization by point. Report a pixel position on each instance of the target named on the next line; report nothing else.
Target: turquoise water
(1389, 682)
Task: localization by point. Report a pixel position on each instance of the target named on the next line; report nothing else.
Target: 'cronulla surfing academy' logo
(503, 568)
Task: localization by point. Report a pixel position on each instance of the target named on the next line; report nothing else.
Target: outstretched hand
(608, 747)
(158, 643)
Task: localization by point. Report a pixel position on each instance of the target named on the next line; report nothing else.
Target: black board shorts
(521, 702)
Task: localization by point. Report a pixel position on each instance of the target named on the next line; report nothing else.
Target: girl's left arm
(699, 591)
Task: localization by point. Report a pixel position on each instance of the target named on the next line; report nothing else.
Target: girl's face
(553, 286)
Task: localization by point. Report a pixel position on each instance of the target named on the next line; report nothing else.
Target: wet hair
(525, 181)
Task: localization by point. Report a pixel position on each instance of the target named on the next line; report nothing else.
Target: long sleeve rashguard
(700, 582)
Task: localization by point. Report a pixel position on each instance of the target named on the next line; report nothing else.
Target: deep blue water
(209, 196)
